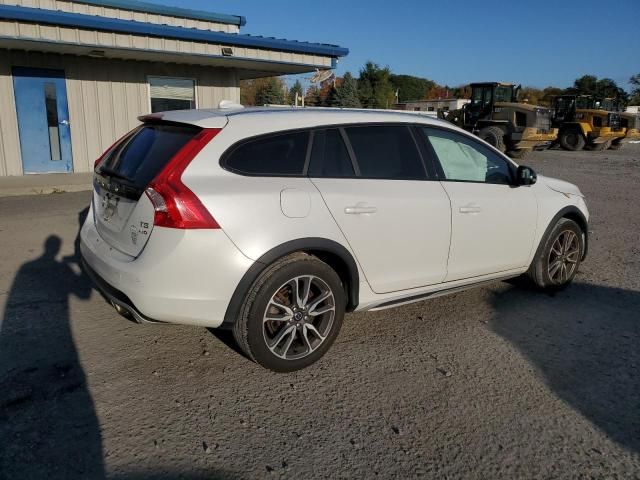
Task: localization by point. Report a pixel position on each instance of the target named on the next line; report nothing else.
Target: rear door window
(386, 152)
(329, 155)
(140, 157)
(275, 155)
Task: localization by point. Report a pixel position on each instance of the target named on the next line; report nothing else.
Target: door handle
(359, 210)
(470, 209)
(64, 122)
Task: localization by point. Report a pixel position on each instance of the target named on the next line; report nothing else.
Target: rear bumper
(181, 276)
(115, 296)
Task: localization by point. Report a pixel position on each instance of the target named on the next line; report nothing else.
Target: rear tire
(520, 153)
(494, 136)
(286, 331)
(572, 140)
(558, 258)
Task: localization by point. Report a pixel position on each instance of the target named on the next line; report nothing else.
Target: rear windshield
(140, 157)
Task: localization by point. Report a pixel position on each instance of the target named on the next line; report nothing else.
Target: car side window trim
(431, 163)
(307, 155)
(352, 154)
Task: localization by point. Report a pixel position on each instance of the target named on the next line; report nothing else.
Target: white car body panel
(414, 246)
(493, 227)
(407, 231)
(167, 282)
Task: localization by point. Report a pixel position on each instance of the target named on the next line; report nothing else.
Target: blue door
(43, 120)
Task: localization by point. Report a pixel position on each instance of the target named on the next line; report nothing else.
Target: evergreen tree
(365, 93)
(332, 99)
(272, 92)
(312, 98)
(296, 88)
(347, 92)
(374, 84)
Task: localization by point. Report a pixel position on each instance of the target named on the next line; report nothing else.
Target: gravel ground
(492, 383)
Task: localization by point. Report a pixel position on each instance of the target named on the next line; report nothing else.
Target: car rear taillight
(175, 205)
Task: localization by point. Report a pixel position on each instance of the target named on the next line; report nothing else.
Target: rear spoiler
(151, 117)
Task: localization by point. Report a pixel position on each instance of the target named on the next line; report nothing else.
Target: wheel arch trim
(310, 244)
(572, 213)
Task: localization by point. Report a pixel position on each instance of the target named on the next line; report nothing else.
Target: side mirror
(525, 176)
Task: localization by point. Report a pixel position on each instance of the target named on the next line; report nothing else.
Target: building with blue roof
(75, 75)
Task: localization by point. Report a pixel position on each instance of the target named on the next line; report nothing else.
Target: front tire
(572, 140)
(558, 259)
(494, 136)
(292, 314)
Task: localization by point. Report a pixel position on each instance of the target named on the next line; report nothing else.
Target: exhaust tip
(125, 312)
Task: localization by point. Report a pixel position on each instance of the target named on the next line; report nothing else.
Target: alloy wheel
(298, 317)
(563, 257)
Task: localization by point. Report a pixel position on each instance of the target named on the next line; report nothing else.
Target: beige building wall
(105, 98)
(122, 14)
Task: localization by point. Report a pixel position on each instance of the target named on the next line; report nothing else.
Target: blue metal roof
(55, 17)
(147, 7)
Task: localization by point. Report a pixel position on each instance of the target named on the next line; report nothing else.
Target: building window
(430, 109)
(172, 93)
(416, 109)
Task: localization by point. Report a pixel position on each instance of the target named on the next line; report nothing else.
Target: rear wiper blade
(115, 173)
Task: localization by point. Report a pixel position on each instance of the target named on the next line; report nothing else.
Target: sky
(456, 42)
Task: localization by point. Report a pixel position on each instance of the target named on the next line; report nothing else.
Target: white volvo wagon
(275, 222)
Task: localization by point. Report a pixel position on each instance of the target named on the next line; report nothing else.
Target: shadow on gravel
(48, 425)
(225, 336)
(585, 341)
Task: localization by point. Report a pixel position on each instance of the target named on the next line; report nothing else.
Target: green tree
(410, 87)
(585, 85)
(374, 85)
(332, 98)
(601, 88)
(272, 92)
(296, 88)
(312, 98)
(607, 88)
(347, 92)
(634, 99)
